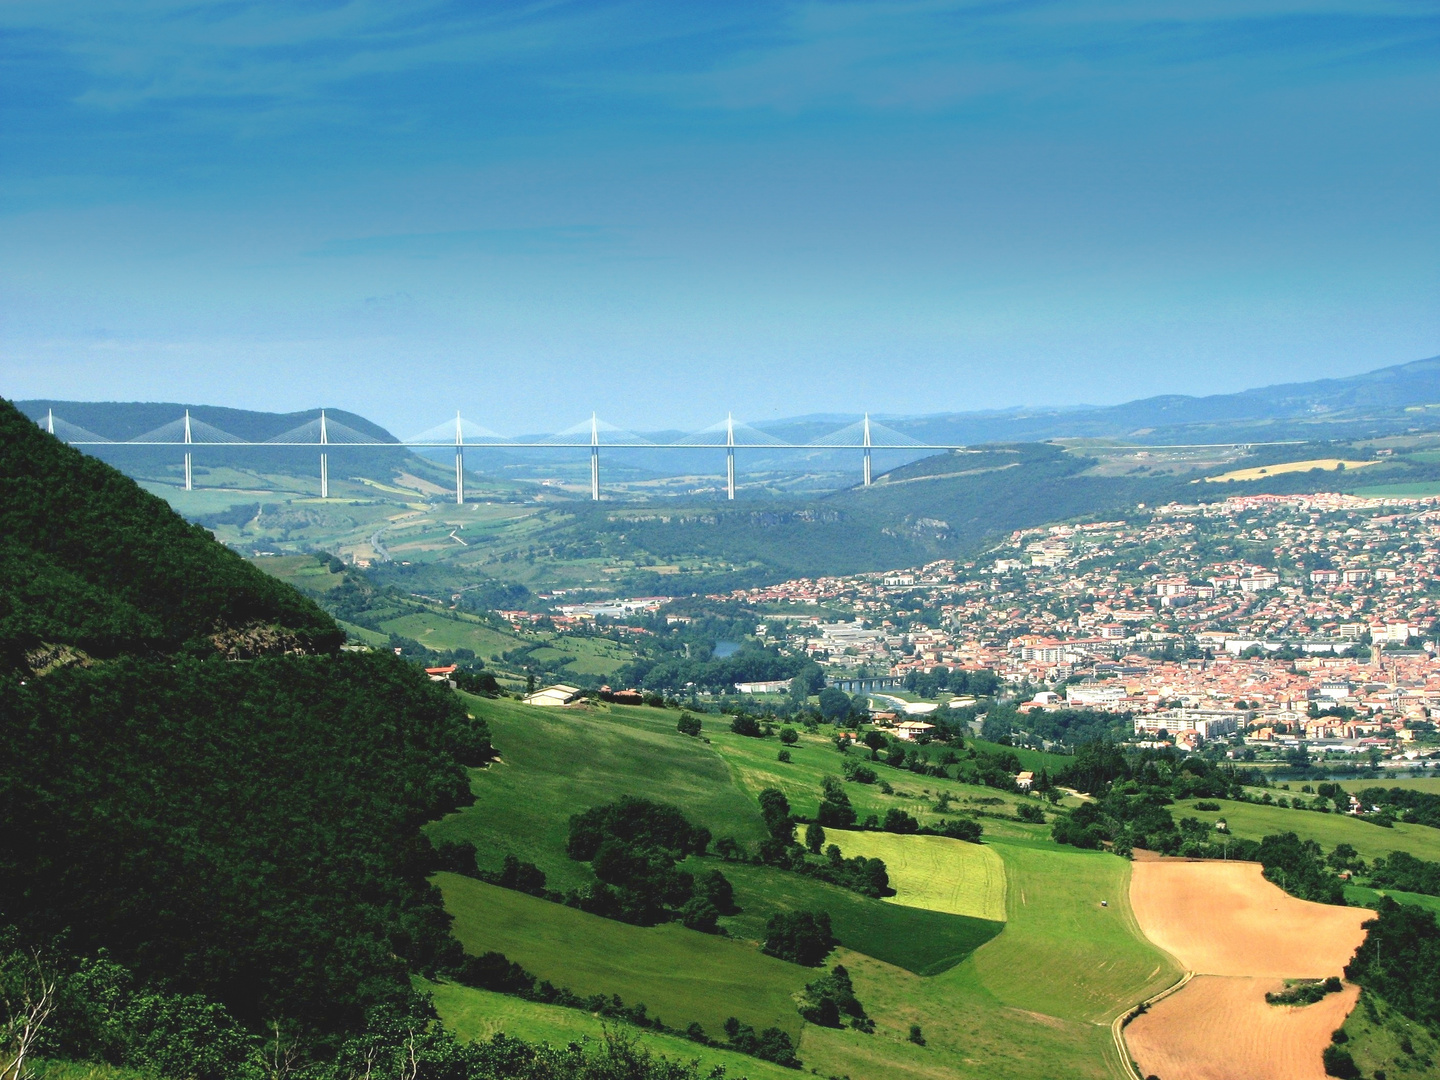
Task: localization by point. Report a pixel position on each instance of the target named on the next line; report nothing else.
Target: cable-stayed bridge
(321, 433)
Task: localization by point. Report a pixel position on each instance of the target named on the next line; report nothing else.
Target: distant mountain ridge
(124, 420)
(1389, 400)
(1370, 403)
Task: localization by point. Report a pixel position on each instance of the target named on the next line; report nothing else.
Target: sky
(664, 212)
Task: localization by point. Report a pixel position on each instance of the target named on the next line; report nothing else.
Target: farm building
(556, 695)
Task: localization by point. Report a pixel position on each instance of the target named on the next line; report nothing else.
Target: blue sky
(667, 211)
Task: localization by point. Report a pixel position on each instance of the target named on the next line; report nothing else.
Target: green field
(479, 1014)
(1367, 897)
(914, 938)
(935, 872)
(1029, 998)
(680, 975)
(558, 762)
(1033, 1003)
(754, 764)
(1253, 821)
(1428, 784)
(436, 631)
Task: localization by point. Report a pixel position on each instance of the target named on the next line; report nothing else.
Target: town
(1289, 620)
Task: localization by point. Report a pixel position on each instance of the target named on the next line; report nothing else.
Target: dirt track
(1220, 1028)
(1224, 918)
(1242, 936)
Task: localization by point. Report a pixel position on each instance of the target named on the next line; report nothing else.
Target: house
(440, 674)
(770, 686)
(1025, 780)
(912, 729)
(553, 696)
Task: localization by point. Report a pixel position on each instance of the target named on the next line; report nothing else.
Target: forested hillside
(211, 814)
(91, 562)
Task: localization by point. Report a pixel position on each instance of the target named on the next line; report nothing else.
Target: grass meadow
(935, 872)
(680, 975)
(1253, 821)
(915, 938)
(480, 1014)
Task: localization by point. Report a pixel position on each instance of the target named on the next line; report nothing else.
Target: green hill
(195, 782)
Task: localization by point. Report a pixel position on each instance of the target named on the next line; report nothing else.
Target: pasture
(1254, 821)
(682, 976)
(558, 762)
(934, 872)
(1030, 998)
(479, 1014)
(923, 941)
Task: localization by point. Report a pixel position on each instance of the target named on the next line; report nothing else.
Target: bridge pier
(459, 463)
(189, 485)
(324, 460)
(867, 449)
(594, 458)
(730, 457)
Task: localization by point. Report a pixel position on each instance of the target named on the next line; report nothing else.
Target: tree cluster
(632, 845)
(1400, 961)
(830, 1001)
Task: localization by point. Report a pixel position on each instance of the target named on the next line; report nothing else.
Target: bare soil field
(1221, 1028)
(1224, 918)
(1242, 936)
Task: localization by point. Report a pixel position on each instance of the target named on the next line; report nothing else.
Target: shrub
(967, 829)
(1030, 812)
(1207, 806)
(688, 724)
(857, 773)
(916, 1035)
(832, 996)
(1338, 1062)
(745, 725)
(898, 821)
(783, 756)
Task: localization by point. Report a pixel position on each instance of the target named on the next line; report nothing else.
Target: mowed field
(1428, 784)
(1243, 937)
(934, 872)
(1224, 918)
(1223, 1029)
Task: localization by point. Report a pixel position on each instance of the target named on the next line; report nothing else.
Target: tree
(814, 837)
(28, 987)
(834, 704)
(898, 821)
(688, 724)
(775, 809)
(789, 736)
(835, 810)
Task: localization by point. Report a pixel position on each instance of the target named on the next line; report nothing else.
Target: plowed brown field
(1242, 936)
(1220, 1028)
(1224, 918)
